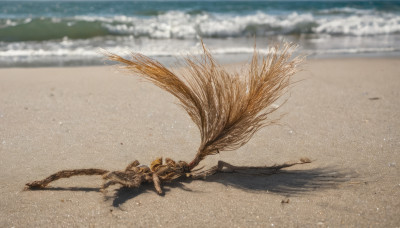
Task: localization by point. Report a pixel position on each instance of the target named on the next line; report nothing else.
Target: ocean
(71, 33)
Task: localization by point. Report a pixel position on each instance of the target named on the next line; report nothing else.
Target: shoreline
(344, 115)
(223, 59)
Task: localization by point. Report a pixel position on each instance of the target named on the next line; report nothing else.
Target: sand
(344, 115)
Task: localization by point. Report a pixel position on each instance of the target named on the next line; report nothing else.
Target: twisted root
(64, 174)
(135, 174)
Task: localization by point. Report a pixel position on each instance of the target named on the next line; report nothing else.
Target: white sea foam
(10, 23)
(176, 24)
(181, 25)
(89, 49)
(360, 25)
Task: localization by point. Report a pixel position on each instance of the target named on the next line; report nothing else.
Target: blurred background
(70, 33)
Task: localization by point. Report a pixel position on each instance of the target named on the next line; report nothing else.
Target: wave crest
(186, 25)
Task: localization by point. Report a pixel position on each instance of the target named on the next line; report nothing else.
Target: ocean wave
(82, 53)
(39, 29)
(183, 25)
(359, 25)
(89, 48)
(345, 10)
(81, 49)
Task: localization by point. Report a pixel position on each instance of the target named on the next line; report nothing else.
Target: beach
(343, 114)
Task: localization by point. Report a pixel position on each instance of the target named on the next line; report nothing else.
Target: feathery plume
(227, 107)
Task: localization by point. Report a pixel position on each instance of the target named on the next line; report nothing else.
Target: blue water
(49, 33)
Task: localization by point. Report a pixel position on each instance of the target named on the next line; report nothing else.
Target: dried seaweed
(228, 109)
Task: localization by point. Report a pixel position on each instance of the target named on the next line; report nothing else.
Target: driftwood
(228, 108)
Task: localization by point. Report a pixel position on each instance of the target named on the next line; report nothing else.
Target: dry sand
(345, 115)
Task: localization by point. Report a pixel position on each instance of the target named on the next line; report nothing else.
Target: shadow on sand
(284, 182)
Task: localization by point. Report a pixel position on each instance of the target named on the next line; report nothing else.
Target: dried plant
(228, 108)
